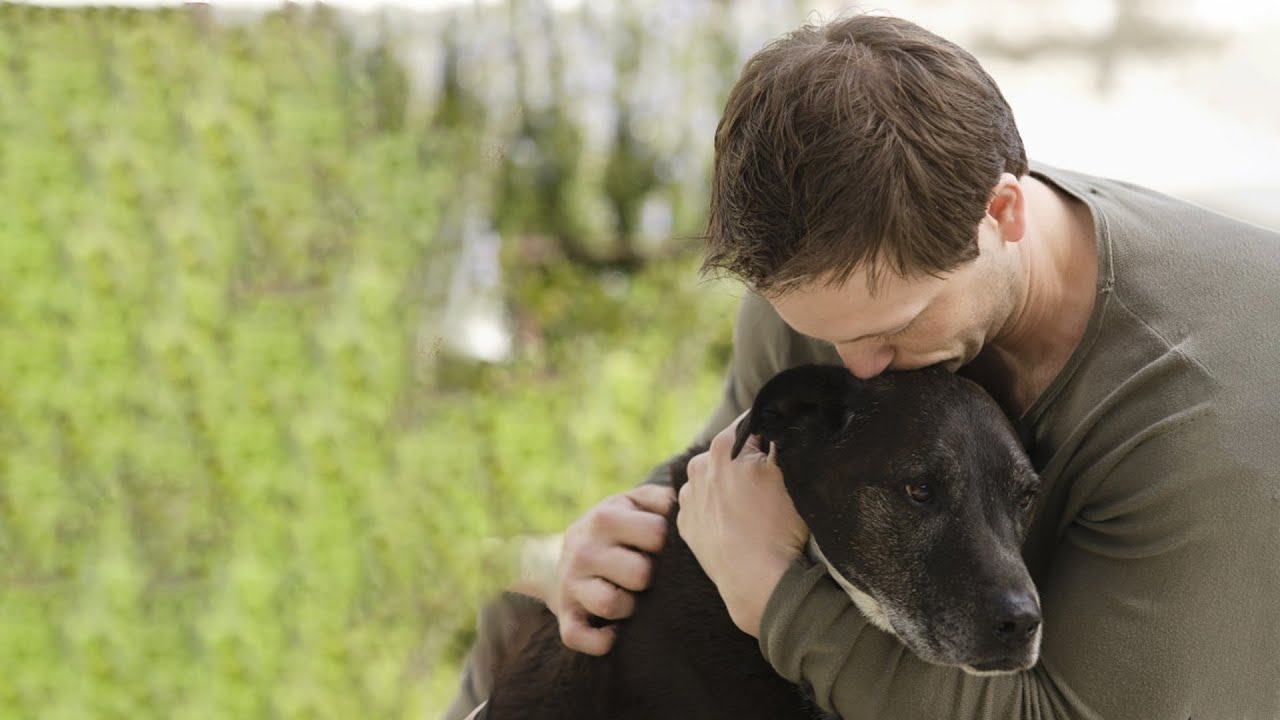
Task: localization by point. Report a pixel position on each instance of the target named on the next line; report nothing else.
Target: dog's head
(918, 497)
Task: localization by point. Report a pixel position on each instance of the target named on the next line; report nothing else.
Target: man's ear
(805, 403)
(1007, 207)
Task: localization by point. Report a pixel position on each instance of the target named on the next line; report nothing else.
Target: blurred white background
(1179, 95)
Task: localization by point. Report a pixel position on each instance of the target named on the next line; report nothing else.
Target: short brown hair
(867, 141)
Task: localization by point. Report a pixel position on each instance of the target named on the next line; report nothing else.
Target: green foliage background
(236, 480)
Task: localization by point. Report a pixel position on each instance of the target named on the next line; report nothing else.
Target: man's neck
(1060, 265)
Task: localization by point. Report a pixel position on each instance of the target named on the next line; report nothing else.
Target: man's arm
(1159, 602)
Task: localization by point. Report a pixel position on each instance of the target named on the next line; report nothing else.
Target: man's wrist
(750, 607)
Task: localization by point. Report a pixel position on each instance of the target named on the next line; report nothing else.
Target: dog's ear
(811, 401)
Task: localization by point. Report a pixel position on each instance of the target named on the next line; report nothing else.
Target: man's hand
(740, 522)
(605, 561)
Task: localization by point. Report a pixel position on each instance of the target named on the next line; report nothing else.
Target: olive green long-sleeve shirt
(1157, 546)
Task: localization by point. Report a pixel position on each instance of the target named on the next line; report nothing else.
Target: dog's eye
(920, 493)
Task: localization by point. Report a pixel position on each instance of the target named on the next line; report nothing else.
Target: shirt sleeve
(1151, 609)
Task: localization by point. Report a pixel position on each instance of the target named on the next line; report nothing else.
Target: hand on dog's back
(605, 561)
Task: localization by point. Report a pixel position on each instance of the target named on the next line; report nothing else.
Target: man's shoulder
(1184, 327)
(1201, 283)
(1129, 208)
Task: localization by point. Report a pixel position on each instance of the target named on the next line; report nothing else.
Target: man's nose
(866, 361)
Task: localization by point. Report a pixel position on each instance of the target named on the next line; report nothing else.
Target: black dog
(918, 497)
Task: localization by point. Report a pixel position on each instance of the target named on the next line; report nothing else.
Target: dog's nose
(1016, 619)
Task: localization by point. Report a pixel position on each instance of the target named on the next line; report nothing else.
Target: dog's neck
(864, 602)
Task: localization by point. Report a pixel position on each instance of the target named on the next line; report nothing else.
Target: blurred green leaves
(232, 482)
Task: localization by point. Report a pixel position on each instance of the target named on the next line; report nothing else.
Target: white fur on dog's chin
(867, 604)
(875, 613)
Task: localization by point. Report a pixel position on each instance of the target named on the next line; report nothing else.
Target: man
(871, 188)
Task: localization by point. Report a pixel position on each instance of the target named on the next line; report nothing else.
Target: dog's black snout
(1017, 618)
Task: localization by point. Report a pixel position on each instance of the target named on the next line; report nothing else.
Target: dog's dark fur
(944, 574)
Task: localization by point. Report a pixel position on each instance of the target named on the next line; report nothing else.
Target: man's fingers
(606, 600)
(722, 443)
(653, 498)
(623, 567)
(576, 634)
(642, 530)
(696, 465)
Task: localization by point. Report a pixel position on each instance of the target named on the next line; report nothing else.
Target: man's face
(911, 323)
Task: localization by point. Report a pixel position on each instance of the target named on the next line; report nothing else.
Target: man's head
(864, 146)
(868, 142)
